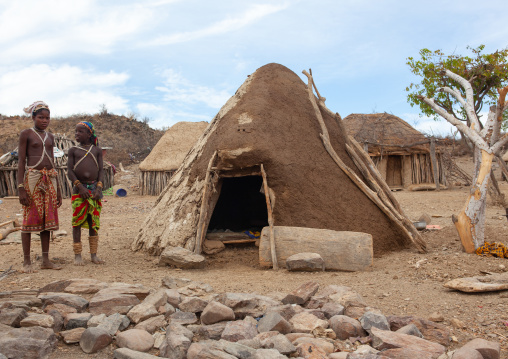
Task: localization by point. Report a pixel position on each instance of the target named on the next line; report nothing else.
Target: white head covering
(37, 105)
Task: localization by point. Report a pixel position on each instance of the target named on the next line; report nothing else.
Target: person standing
(38, 187)
(85, 170)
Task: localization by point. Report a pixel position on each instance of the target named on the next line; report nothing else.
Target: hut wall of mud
(9, 170)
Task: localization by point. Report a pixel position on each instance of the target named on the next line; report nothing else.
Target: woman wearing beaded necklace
(38, 187)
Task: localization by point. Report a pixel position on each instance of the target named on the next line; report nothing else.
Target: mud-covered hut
(274, 122)
(167, 155)
(9, 169)
(403, 155)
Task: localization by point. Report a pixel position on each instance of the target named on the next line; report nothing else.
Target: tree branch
(469, 104)
(471, 133)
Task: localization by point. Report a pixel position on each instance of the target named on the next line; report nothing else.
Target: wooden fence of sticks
(9, 169)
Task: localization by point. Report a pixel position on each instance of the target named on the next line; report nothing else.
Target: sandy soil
(394, 284)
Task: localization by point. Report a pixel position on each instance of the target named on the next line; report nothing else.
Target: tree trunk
(470, 223)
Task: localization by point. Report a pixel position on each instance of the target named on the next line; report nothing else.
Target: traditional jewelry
(36, 129)
(76, 183)
(99, 184)
(21, 185)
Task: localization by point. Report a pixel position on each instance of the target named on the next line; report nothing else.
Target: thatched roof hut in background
(402, 154)
(167, 155)
(9, 169)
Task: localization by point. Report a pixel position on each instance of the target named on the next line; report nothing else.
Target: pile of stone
(186, 319)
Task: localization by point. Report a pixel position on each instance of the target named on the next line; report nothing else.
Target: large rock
(28, 343)
(305, 262)
(114, 323)
(175, 346)
(142, 312)
(310, 351)
(384, 339)
(212, 331)
(467, 353)
(135, 339)
(109, 303)
(61, 308)
(346, 327)
(12, 316)
(306, 322)
(371, 319)
(72, 336)
(139, 290)
(216, 312)
(239, 329)
(72, 300)
(76, 320)
(324, 344)
(38, 320)
(277, 341)
(273, 321)
(246, 304)
(94, 339)
(183, 318)
(193, 305)
(302, 294)
(153, 324)
(434, 332)
(237, 350)
(181, 258)
(85, 286)
(488, 349)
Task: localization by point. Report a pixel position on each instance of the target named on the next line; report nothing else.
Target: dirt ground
(395, 283)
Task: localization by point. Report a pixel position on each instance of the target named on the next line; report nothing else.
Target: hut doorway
(394, 171)
(240, 208)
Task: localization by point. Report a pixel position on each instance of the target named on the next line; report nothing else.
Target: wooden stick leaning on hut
(204, 206)
(405, 225)
(270, 219)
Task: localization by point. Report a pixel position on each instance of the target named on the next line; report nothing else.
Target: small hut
(274, 155)
(167, 155)
(9, 169)
(403, 155)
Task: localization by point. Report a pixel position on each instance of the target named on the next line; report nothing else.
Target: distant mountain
(125, 135)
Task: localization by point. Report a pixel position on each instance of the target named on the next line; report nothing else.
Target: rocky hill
(124, 134)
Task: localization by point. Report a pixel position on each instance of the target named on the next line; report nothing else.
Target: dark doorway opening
(241, 206)
(394, 171)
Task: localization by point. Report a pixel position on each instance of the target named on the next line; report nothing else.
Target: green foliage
(485, 72)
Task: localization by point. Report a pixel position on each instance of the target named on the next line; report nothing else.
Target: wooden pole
(270, 219)
(434, 162)
(403, 223)
(204, 205)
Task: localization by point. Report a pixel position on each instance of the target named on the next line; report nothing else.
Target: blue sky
(176, 60)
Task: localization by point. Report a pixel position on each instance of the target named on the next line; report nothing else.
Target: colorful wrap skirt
(82, 208)
(42, 212)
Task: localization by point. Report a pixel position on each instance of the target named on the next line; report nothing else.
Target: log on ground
(341, 250)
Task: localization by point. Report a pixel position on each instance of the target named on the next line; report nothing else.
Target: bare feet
(78, 261)
(96, 259)
(50, 265)
(27, 268)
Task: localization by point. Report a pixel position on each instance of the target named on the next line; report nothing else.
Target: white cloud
(179, 89)
(67, 89)
(251, 15)
(53, 27)
(428, 125)
(165, 116)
